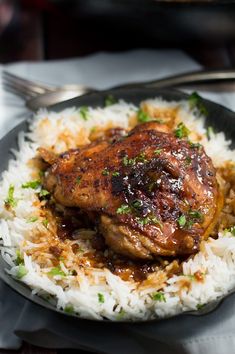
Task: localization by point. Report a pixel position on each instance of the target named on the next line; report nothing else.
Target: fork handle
(194, 77)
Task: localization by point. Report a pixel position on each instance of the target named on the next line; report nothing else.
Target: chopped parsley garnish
(182, 220)
(93, 130)
(100, 298)
(128, 162)
(121, 314)
(188, 160)
(123, 209)
(231, 229)
(57, 271)
(41, 174)
(195, 145)
(181, 131)
(69, 309)
(32, 219)
(115, 174)
(21, 272)
(149, 220)
(195, 101)
(142, 116)
(195, 214)
(78, 179)
(159, 296)
(158, 120)
(45, 222)
(158, 151)
(186, 221)
(141, 157)
(19, 259)
(131, 162)
(110, 100)
(43, 193)
(137, 204)
(210, 132)
(84, 112)
(31, 184)
(10, 201)
(200, 306)
(105, 172)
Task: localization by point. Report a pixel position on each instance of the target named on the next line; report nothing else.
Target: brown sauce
(68, 222)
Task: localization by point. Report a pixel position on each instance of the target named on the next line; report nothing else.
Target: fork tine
(21, 84)
(28, 87)
(38, 87)
(16, 91)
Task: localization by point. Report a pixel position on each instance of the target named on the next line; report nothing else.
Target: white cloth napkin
(20, 319)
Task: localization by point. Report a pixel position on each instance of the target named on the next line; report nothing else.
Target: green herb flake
(45, 223)
(105, 172)
(159, 296)
(19, 258)
(196, 102)
(41, 174)
(200, 306)
(132, 162)
(21, 272)
(84, 112)
(210, 132)
(158, 151)
(181, 131)
(137, 204)
(143, 117)
(69, 309)
(10, 200)
(78, 179)
(195, 214)
(100, 298)
(115, 174)
(195, 145)
(141, 158)
(93, 130)
(32, 184)
(182, 220)
(121, 314)
(231, 229)
(149, 220)
(155, 221)
(128, 162)
(123, 209)
(110, 100)
(43, 193)
(151, 186)
(56, 271)
(158, 120)
(32, 219)
(188, 160)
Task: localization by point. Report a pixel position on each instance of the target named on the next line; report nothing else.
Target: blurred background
(55, 29)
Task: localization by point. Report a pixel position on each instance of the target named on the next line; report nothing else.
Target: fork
(37, 95)
(28, 89)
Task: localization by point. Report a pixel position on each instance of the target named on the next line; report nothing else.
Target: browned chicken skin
(151, 193)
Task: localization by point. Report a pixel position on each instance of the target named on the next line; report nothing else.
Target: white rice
(122, 300)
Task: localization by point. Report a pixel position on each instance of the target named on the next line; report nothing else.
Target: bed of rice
(97, 293)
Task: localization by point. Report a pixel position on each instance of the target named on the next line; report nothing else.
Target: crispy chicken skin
(150, 193)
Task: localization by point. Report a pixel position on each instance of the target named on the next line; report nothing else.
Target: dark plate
(220, 118)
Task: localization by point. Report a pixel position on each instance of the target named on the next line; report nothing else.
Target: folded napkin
(23, 320)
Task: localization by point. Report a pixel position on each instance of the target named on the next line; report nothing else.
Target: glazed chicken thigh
(150, 193)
